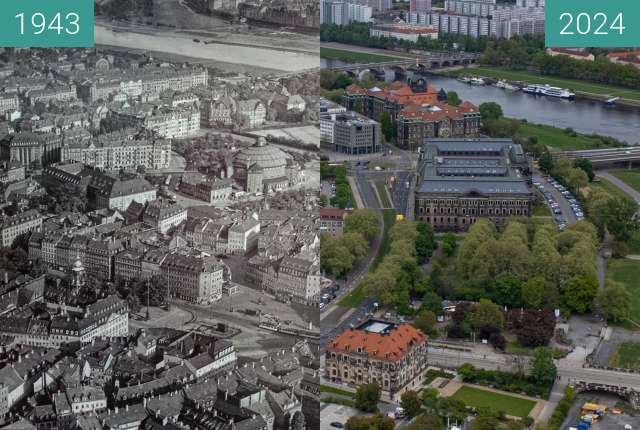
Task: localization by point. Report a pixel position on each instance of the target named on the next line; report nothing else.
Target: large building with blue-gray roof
(462, 180)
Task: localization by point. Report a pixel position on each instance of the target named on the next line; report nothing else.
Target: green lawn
(629, 177)
(536, 78)
(627, 272)
(334, 390)
(626, 356)
(355, 57)
(355, 297)
(384, 196)
(541, 209)
(556, 138)
(497, 402)
(634, 244)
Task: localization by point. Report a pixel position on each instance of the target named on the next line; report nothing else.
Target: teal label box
(46, 23)
(592, 23)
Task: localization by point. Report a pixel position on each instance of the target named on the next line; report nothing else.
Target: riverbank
(244, 54)
(354, 57)
(557, 139)
(584, 89)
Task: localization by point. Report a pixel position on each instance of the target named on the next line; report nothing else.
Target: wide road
(450, 358)
(402, 191)
(599, 376)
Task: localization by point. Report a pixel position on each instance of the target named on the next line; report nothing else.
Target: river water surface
(581, 115)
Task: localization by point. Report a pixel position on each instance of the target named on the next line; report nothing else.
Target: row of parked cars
(575, 205)
(328, 294)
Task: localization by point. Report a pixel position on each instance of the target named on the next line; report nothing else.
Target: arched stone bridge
(421, 63)
(623, 384)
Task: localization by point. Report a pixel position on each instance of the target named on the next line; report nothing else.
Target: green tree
(426, 422)
(411, 403)
(425, 321)
(485, 423)
(367, 397)
(546, 162)
(364, 221)
(507, 290)
(533, 292)
(387, 127)
(453, 99)
(621, 218)
(586, 165)
(377, 284)
(431, 301)
(449, 244)
(614, 301)
(324, 200)
(355, 243)
(430, 399)
(490, 111)
(486, 314)
(329, 248)
(374, 422)
(426, 241)
(543, 369)
(578, 293)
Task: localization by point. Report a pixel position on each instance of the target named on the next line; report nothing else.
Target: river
(581, 115)
(180, 44)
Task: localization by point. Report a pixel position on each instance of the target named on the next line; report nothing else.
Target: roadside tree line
(339, 253)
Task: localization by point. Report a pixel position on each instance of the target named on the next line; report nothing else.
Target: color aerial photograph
(480, 236)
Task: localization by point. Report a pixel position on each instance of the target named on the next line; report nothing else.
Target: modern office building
(355, 134)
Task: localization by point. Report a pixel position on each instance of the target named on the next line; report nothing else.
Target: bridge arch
(361, 73)
(630, 394)
(446, 63)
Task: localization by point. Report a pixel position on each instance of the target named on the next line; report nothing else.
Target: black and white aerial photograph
(159, 201)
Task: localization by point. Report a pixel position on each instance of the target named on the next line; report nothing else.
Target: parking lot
(564, 206)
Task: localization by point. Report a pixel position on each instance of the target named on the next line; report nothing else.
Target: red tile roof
(390, 347)
(333, 213)
(446, 111)
(400, 93)
(618, 54)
